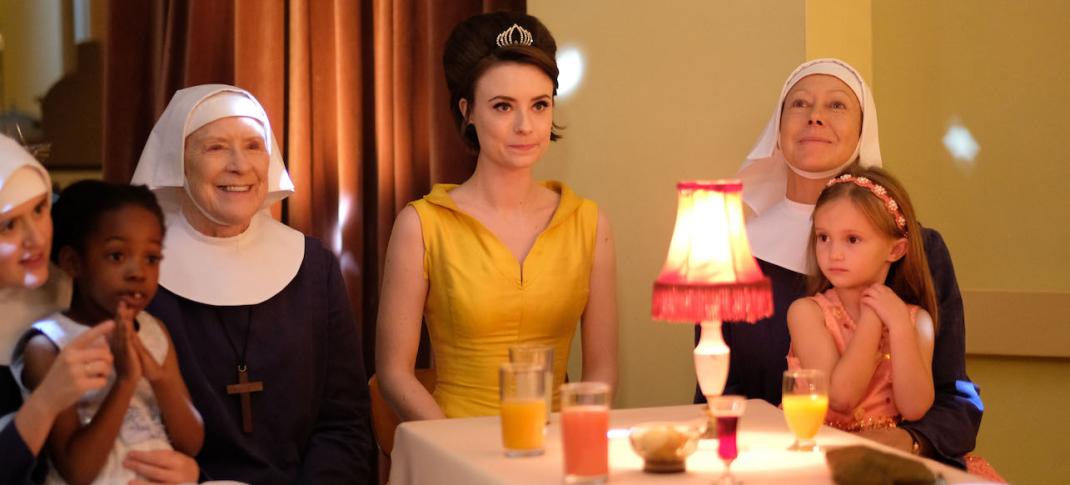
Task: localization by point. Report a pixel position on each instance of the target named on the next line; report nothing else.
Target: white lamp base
(711, 364)
(711, 359)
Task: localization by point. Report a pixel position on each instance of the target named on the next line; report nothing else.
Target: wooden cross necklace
(244, 387)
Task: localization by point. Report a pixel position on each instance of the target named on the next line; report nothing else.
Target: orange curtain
(358, 87)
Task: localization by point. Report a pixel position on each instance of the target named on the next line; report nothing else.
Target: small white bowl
(665, 446)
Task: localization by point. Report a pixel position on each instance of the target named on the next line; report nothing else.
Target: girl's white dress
(142, 427)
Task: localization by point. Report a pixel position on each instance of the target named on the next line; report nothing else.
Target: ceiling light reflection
(960, 143)
(570, 67)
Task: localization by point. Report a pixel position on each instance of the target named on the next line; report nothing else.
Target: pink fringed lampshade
(710, 273)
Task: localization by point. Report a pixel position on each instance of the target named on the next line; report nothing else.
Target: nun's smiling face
(820, 123)
(25, 240)
(226, 165)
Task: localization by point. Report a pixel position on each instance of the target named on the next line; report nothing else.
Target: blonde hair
(908, 277)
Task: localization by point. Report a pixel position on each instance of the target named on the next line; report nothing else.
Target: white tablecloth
(469, 451)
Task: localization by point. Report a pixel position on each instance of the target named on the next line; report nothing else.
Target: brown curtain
(148, 56)
(358, 88)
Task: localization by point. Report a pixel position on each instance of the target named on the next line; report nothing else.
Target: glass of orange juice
(541, 355)
(584, 428)
(805, 401)
(523, 408)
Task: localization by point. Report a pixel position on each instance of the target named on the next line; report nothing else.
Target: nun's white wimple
(765, 171)
(779, 229)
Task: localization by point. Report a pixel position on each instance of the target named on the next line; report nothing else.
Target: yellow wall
(33, 52)
(1024, 431)
(668, 94)
(841, 29)
(999, 68)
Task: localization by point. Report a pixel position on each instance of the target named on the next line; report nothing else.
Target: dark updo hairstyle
(472, 49)
(76, 215)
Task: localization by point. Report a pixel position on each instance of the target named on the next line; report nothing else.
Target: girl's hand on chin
(891, 309)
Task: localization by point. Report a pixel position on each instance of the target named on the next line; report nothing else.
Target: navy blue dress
(311, 422)
(16, 461)
(758, 362)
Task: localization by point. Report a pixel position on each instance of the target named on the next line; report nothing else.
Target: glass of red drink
(727, 410)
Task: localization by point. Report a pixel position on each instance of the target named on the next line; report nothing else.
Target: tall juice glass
(541, 355)
(805, 401)
(584, 428)
(523, 408)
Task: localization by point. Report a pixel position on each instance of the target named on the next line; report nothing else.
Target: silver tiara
(506, 37)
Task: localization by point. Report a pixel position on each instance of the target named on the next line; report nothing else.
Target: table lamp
(710, 275)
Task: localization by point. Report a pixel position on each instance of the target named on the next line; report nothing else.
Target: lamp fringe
(739, 302)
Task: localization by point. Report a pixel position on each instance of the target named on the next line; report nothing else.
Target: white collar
(20, 307)
(242, 270)
(781, 235)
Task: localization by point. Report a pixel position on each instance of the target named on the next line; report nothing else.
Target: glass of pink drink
(727, 410)
(584, 428)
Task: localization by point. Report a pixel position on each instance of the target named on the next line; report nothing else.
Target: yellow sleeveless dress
(478, 305)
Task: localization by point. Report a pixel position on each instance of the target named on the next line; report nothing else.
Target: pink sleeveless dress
(877, 408)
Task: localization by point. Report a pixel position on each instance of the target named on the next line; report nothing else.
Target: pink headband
(877, 190)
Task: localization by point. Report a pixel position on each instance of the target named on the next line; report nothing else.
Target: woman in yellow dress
(500, 259)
